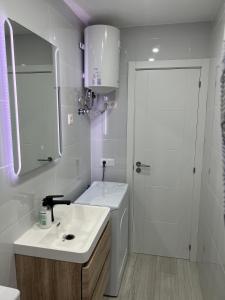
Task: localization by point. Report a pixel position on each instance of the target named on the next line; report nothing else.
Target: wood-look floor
(159, 278)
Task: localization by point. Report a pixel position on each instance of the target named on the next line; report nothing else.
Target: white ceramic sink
(86, 223)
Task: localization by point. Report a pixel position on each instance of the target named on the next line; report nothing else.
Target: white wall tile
(70, 132)
(211, 236)
(7, 274)
(111, 174)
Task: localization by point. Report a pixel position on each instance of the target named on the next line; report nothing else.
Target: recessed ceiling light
(151, 59)
(155, 50)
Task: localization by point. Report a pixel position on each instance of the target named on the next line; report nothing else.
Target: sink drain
(68, 237)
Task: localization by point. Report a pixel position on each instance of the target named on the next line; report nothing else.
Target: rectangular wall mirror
(33, 80)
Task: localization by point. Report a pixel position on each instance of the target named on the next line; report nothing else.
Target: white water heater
(102, 54)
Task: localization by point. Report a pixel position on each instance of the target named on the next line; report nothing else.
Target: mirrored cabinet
(34, 95)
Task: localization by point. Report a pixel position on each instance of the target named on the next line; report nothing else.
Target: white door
(166, 110)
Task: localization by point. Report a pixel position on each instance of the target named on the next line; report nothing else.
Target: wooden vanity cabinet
(46, 279)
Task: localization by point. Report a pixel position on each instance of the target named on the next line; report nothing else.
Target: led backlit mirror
(33, 70)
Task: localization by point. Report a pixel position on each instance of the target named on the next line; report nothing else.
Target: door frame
(203, 65)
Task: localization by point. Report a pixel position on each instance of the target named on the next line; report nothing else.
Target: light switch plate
(110, 162)
(70, 119)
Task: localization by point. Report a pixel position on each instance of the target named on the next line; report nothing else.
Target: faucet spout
(50, 202)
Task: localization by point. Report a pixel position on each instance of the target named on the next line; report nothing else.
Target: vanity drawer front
(47, 279)
(102, 282)
(92, 270)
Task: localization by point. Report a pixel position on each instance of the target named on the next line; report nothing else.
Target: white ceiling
(126, 13)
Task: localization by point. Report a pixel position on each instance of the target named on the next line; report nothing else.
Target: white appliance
(102, 54)
(7, 293)
(115, 196)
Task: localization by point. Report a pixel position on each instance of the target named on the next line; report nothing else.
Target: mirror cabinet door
(34, 95)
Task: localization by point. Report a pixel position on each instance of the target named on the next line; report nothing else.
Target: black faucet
(50, 202)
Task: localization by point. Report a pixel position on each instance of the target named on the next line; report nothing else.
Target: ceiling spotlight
(155, 50)
(151, 59)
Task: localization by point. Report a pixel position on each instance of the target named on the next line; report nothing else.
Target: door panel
(166, 109)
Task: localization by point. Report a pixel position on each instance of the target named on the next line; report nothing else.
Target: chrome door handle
(140, 165)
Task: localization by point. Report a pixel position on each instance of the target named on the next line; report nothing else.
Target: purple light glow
(5, 121)
(5, 116)
(79, 11)
(15, 98)
(57, 99)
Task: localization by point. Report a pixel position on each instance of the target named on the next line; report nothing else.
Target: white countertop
(108, 194)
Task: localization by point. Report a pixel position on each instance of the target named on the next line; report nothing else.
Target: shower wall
(211, 237)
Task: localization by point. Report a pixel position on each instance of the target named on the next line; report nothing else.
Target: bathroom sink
(72, 237)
